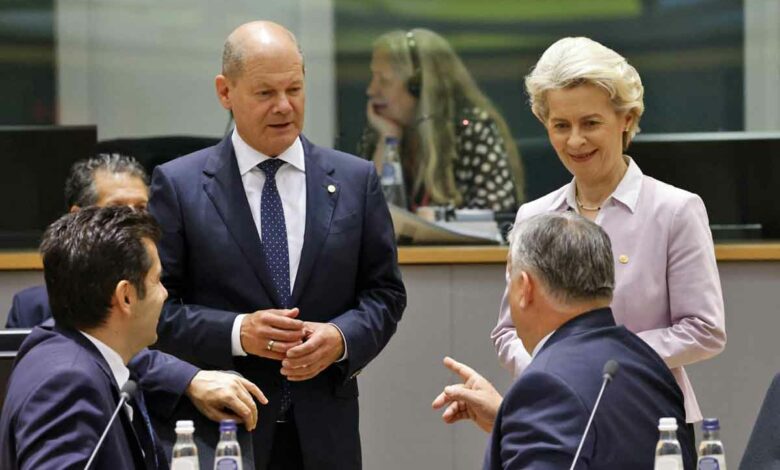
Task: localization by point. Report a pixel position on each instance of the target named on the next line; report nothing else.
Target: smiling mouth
(581, 157)
(280, 126)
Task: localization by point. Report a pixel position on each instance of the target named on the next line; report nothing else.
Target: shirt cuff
(343, 341)
(235, 336)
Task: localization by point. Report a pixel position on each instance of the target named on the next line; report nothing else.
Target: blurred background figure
(454, 147)
(108, 179)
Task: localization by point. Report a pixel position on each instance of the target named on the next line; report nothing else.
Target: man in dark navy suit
(280, 259)
(111, 180)
(562, 272)
(763, 448)
(102, 274)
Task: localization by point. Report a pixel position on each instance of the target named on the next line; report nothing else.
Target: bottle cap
(227, 425)
(667, 424)
(185, 425)
(710, 424)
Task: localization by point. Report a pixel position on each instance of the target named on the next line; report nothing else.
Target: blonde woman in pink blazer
(668, 291)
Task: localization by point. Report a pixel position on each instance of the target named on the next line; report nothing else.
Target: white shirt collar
(539, 345)
(627, 191)
(115, 363)
(248, 158)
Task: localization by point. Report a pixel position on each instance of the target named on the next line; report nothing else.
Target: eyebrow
(589, 116)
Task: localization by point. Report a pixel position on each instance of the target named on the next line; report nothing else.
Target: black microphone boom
(125, 394)
(610, 369)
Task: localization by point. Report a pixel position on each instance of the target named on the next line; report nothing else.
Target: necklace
(584, 207)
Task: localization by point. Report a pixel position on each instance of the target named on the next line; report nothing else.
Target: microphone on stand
(610, 369)
(128, 390)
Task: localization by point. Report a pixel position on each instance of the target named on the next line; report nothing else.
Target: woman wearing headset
(455, 147)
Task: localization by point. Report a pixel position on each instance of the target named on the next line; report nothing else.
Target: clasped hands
(304, 348)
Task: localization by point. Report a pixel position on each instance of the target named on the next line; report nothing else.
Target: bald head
(262, 84)
(257, 38)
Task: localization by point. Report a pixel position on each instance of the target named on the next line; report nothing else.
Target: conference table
(453, 296)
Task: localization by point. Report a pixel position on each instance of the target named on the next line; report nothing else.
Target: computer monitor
(10, 340)
(735, 173)
(34, 162)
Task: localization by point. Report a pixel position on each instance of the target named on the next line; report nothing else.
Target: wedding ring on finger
(270, 346)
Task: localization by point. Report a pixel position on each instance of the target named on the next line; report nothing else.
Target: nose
(283, 105)
(371, 90)
(575, 139)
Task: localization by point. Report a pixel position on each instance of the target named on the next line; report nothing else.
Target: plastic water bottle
(711, 453)
(185, 452)
(668, 453)
(228, 456)
(392, 177)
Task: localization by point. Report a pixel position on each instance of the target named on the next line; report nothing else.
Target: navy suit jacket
(214, 269)
(163, 377)
(763, 448)
(30, 307)
(60, 397)
(544, 413)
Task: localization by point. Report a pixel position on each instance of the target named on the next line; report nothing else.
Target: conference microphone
(127, 392)
(609, 371)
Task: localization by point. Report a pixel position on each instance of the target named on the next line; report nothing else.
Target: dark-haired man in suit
(563, 275)
(280, 258)
(103, 278)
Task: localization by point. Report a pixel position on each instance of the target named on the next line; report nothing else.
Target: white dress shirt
(291, 183)
(541, 342)
(115, 363)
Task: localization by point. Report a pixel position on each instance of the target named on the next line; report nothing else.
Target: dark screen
(736, 175)
(35, 162)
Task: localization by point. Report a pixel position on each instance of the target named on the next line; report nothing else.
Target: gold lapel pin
(331, 188)
(623, 259)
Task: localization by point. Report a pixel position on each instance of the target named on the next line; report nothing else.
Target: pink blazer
(667, 285)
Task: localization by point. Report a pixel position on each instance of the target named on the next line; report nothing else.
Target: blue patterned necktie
(274, 234)
(143, 428)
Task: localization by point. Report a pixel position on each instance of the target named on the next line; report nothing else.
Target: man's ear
(222, 85)
(124, 296)
(528, 288)
(523, 289)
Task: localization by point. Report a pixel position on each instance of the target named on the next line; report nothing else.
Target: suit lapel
(135, 444)
(320, 203)
(223, 185)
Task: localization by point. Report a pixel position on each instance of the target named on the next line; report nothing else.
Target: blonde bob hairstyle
(571, 62)
(446, 88)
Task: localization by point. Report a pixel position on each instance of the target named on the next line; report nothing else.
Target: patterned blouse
(482, 172)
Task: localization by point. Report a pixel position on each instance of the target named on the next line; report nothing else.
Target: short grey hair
(80, 185)
(569, 254)
(571, 62)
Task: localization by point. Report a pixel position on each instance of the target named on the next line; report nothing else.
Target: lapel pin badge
(623, 259)
(331, 188)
